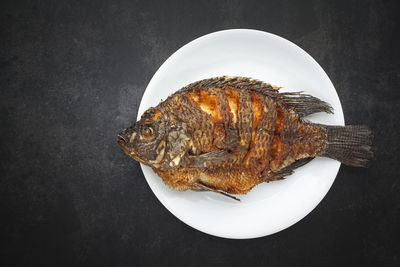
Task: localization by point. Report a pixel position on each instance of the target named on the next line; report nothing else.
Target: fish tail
(350, 145)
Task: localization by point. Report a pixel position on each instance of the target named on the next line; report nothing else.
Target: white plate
(268, 208)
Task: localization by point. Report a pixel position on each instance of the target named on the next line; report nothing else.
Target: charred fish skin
(228, 134)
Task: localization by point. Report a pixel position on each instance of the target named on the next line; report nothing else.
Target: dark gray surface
(73, 73)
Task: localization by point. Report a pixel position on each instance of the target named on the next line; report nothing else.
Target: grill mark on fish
(204, 123)
(222, 129)
(259, 158)
(277, 146)
(245, 118)
(256, 107)
(222, 107)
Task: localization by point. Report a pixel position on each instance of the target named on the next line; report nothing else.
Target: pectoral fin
(207, 159)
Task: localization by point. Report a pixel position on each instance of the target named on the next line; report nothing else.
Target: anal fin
(281, 174)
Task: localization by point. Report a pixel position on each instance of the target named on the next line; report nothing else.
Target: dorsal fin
(304, 104)
(234, 82)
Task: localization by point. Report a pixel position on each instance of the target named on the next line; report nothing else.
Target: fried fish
(229, 134)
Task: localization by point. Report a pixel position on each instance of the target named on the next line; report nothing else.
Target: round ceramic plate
(267, 208)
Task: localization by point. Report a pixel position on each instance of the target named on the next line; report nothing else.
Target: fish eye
(147, 131)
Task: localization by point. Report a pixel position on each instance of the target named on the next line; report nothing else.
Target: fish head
(144, 141)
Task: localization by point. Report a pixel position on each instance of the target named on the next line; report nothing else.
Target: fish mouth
(127, 149)
(121, 140)
(123, 143)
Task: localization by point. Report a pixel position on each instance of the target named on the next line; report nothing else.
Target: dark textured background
(73, 72)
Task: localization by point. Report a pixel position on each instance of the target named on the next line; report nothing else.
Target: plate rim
(166, 63)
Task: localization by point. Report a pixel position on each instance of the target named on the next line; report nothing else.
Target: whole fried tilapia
(229, 134)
